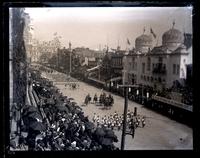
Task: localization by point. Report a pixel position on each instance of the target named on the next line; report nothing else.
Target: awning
(98, 81)
(94, 68)
(115, 79)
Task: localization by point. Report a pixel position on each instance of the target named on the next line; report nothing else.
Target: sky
(94, 27)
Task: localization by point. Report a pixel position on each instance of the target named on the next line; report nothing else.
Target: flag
(55, 34)
(144, 30)
(154, 35)
(128, 42)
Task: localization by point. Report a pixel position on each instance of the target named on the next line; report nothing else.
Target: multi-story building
(157, 66)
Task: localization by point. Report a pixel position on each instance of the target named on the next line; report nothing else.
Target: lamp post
(137, 93)
(147, 96)
(126, 87)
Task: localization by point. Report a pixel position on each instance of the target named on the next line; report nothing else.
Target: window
(129, 64)
(164, 66)
(177, 69)
(151, 79)
(174, 69)
(159, 79)
(147, 78)
(143, 67)
(160, 59)
(133, 63)
(135, 66)
(133, 59)
(148, 64)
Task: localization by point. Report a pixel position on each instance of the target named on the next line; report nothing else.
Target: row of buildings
(155, 66)
(159, 67)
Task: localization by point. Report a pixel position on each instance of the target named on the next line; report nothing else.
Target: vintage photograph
(100, 78)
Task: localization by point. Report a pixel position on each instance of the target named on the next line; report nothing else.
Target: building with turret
(158, 66)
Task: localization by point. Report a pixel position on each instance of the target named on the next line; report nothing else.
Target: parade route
(160, 132)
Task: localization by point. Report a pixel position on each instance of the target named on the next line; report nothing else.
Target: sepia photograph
(100, 78)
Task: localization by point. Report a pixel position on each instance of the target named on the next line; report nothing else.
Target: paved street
(160, 132)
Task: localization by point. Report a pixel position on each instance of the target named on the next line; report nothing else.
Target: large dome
(172, 36)
(143, 41)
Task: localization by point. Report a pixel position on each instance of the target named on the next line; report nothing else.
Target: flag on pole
(128, 42)
(154, 35)
(144, 30)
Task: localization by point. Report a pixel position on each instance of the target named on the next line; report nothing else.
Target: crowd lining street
(159, 133)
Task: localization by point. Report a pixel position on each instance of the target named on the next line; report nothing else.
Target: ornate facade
(157, 66)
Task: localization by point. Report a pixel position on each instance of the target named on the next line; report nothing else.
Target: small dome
(143, 42)
(172, 36)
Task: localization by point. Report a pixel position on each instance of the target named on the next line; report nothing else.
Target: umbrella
(75, 103)
(30, 109)
(110, 134)
(78, 107)
(100, 132)
(35, 115)
(89, 125)
(62, 108)
(37, 126)
(50, 101)
(65, 97)
(106, 141)
(76, 111)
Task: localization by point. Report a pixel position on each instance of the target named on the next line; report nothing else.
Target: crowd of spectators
(64, 126)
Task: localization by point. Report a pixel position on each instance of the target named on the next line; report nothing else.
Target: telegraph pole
(126, 87)
(125, 116)
(70, 60)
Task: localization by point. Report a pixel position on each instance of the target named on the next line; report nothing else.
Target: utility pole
(70, 60)
(126, 87)
(70, 63)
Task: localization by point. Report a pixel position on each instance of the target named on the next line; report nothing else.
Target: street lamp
(111, 84)
(147, 95)
(125, 86)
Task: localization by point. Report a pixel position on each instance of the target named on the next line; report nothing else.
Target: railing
(159, 71)
(173, 102)
(40, 108)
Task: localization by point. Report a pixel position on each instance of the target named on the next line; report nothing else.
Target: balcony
(160, 69)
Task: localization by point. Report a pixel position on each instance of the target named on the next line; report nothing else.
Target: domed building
(144, 43)
(158, 66)
(172, 39)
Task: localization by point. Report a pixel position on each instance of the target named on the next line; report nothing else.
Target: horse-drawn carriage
(106, 101)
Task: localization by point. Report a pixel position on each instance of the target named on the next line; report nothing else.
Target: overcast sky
(91, 27)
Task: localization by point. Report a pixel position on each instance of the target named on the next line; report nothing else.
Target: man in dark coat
(95, 98)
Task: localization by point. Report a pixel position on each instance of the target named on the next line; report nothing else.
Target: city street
(160, 132)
